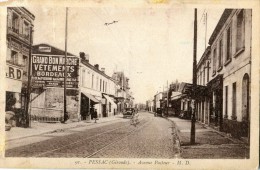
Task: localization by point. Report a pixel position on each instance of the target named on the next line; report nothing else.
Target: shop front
(14, 99)
(215, 87)
(87, 105)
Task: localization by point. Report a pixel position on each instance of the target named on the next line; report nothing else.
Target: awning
(186, 88)
(91, 97)
(216, 83)
(110, 100)
(176, 95)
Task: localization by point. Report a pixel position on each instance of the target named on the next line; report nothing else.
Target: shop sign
(44, 49)
(49, 71)
(14, 72)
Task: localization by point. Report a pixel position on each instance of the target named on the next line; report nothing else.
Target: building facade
(47, 86)
(123, 95)
(203, 113)
(157, 100)
(150, 105)
(228, 108)
(97, 90)
(20, 22)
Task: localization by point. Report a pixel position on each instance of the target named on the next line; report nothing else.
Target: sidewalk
(38, 128)
(209, 142)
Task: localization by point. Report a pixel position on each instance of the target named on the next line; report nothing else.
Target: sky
(151, 45)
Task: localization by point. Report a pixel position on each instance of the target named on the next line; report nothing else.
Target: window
(214, 61)
(26, 30)
(229, 47)
(204, 76)
(220, 54)
(83, 78)
(234, 101)
(240, 31)
(226, 102)
(201, 78)
(97, 83)
(14, 57)
(208, 72)
(15, 23)
(25, 63)
(92, 81)
(103, 85)
(100, 84)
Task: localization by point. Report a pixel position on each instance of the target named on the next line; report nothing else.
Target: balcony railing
(14, 63)
(15, 32)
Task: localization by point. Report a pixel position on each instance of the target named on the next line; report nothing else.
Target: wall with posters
(48, 70)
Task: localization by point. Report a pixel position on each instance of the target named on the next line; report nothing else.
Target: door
(245, 106)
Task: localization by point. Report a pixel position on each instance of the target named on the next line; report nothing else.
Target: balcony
(15, 32)
(12, 62)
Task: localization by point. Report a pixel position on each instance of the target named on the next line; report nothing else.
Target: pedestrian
(95, 115)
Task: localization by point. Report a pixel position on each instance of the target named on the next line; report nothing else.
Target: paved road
(152, 137)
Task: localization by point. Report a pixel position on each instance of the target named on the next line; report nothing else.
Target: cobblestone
(150, 138)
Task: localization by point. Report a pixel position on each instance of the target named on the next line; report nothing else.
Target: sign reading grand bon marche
(48, 71)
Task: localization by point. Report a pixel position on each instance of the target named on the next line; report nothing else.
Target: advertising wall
(49, 71)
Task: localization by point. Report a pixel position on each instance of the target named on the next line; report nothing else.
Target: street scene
(128, 83)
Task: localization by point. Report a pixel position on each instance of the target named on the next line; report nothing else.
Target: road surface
(152, 137)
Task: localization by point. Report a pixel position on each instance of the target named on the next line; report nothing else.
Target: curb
(55, 130)
(177, 141)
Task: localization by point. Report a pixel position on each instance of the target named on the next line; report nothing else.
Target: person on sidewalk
(95, 115)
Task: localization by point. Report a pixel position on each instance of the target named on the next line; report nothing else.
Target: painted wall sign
(14, 72)
(44, 49)
(48, 71)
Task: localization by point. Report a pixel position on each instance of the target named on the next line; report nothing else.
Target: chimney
(96, 66)
(103, 69)
(84, 57)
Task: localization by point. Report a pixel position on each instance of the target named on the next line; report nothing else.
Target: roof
(53, 50)
(28, 12)
(220, 24)
(94, 68)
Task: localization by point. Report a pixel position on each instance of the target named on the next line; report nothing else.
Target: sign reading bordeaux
(49, 71)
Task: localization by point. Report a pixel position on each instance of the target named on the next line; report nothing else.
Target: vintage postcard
(140, 84)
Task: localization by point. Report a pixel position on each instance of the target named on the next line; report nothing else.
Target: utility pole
(194, 82)
(65, 68)
(28, 92)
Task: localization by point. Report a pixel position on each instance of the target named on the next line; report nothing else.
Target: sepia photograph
(143, 84)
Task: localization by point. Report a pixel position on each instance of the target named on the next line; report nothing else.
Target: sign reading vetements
(49, 71)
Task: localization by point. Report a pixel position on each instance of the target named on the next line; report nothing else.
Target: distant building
(150, 105)
(157, 100)
(123, 96)
(19, 23)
